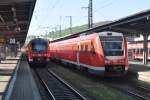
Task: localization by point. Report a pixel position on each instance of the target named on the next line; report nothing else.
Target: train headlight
(30, 59)
(47, 59)
(126, 67)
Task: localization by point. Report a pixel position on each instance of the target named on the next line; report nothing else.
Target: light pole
(70, 18)
(54, 32)
(46, 30)
(60, 26)
(90, 13)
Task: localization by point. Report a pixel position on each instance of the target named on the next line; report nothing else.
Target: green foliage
(65, 32)
(76, 29)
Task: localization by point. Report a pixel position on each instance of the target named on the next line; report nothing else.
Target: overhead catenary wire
(99, 10)
(104, 6)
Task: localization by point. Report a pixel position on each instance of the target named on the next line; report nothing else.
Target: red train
(103, 53)
(136, 50)
(38, 51)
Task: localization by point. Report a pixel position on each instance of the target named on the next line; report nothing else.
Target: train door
(78, 54)
(84, 53)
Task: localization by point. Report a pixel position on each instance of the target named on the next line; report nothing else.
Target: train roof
(38, 39)
(81, 38)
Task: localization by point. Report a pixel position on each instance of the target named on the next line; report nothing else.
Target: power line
(106, 5)
(54, 5)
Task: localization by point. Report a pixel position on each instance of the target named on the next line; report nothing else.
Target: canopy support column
(145, 48)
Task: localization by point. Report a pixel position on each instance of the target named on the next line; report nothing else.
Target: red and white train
(38, 51)
(136, 50)
(103, 53)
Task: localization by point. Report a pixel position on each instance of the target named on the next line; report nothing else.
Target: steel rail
(138, 95)
(45, 85)
(67, 85)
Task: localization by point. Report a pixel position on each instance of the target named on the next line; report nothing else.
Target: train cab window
(39, 47)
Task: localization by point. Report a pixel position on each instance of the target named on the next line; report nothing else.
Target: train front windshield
(39, 47)
(113, 45)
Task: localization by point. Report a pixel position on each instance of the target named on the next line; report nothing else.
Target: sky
(49, 14)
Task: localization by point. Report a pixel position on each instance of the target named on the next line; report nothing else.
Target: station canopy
(15, 17)
(138, 23)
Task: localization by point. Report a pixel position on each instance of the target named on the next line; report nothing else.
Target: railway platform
(142, 71)
(7, 68)
(16, 81)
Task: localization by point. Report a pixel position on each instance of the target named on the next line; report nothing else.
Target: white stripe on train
(101, 68)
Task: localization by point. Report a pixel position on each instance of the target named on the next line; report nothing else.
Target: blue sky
(47, 13)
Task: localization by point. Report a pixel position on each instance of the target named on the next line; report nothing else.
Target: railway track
(125, 86)
(140, 93)
(57, 88)
(130, 87)
(144, 92)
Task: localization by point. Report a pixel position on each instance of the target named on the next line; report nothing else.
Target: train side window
(133, 51)
(147, 51)
(86, 48)
(82, 47)
(78, 49)
(75, 48)
(136, 51)
(92, 48)
(141, 51)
